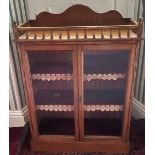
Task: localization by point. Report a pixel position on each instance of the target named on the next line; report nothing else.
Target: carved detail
(86, 77)
(87, 108)
(103, 108)
(55, 107)
(52, 77)
(114, 76)
(79, 34)
(72, 25)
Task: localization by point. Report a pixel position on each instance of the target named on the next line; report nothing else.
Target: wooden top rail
(76, 21)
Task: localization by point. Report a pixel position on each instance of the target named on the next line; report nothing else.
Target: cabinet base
(122, 147)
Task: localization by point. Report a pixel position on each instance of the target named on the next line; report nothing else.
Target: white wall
(17, 105)
(125, 7)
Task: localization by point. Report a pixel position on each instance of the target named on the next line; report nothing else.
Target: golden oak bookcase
(78, 70)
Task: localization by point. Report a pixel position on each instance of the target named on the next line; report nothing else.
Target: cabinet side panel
(28, 92)
(129, 94)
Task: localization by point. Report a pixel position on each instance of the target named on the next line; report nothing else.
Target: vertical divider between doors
(80, 90)
(75, 81)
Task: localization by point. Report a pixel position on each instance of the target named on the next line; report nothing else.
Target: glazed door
(104, 91)
(51, 73)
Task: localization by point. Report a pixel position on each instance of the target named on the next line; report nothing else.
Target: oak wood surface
(129, 95)
(127, 103)
(78, 86)
(79, 17)
(106, 146)
(28, 83)
(29, 92)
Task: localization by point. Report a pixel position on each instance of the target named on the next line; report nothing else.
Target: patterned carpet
(137, 138)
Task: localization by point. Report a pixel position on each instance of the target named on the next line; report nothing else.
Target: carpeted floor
(22, 147)
(14, 138)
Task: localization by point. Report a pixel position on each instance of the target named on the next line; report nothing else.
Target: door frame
(28, 88)
(128, 92)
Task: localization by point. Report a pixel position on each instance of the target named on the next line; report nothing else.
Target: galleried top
(79, 23)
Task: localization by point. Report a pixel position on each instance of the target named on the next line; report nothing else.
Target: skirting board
(18, 118)
(138, 109)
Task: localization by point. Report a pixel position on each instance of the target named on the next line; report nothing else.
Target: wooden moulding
(79, 34)
(47, 35)
(64, 35)
(72, 34)
(98, 34)
(39, 35)
(89, 34)
(72, 25)
(56, 35)
(109, 146)
(115, 34)
(123, 33)
(106, 34)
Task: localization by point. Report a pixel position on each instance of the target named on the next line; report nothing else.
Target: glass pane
(105, 74)
(52, 81)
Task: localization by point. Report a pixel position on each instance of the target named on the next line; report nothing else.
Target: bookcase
(78, 70)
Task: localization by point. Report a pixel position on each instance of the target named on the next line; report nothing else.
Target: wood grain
(96, 32)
